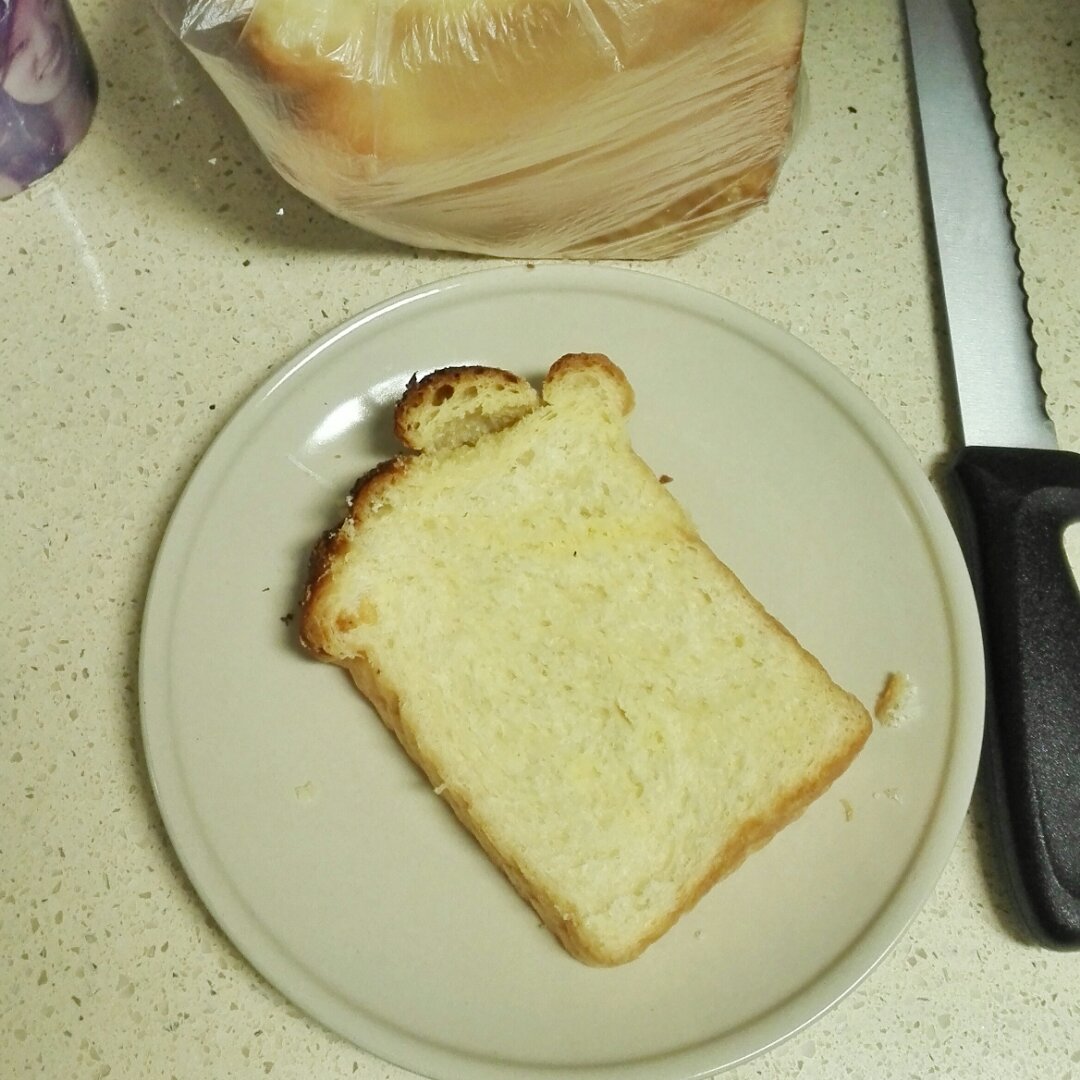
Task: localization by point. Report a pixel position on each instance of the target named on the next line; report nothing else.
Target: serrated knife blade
(997, 374)
(1016, 492)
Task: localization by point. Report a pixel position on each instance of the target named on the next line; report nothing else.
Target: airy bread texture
(604, 706)
(531, 128)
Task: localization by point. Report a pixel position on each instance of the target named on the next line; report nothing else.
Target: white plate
(344, 880)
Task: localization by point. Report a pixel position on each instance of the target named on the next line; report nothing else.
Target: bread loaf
(532, 128)
(605, 707)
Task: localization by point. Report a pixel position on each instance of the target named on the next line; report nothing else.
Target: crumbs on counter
(287, 618)
(849, 810)
(665, 479)
(305, 792)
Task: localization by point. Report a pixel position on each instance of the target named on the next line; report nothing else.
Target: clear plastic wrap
(527, 128)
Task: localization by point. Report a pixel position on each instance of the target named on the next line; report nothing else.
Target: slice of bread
(604, 706)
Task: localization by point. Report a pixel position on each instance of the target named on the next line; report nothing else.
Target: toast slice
(602, 703)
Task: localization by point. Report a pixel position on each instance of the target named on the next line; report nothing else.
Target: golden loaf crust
(445, 123)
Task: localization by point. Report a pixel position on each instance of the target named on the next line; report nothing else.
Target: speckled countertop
(151, 283)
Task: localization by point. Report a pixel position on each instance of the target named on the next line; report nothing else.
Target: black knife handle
(1018, 504)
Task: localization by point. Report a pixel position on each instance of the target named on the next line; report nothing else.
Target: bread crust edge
(313, 631)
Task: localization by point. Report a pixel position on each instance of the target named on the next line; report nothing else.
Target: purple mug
(48, 89)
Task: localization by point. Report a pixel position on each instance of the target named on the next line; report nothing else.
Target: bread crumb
(896, 700)
(849, 810)
(889, 793)
(665, 479)
(440, 789)
(305, 792)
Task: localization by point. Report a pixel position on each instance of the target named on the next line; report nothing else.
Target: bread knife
(1015, 491)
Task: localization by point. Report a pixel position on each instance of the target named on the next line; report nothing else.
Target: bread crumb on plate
(896, 702)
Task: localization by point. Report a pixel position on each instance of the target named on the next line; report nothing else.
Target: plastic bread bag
(524, 128)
